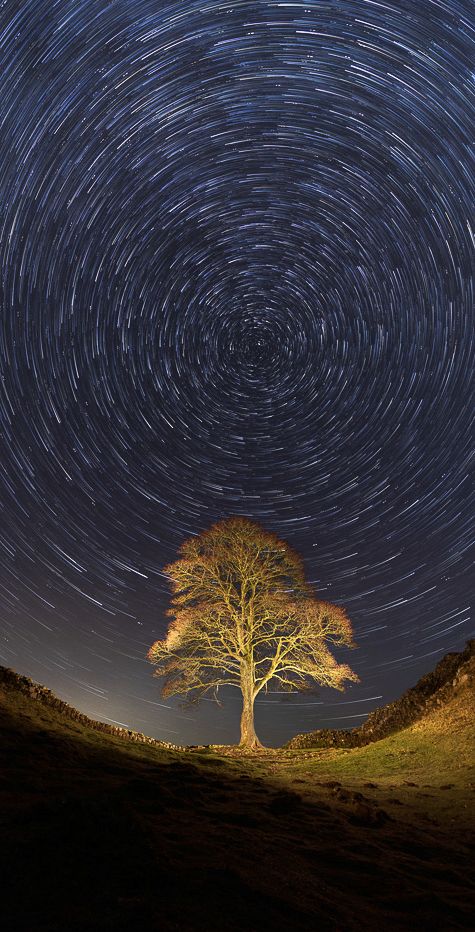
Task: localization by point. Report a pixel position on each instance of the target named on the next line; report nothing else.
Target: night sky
(237, 279)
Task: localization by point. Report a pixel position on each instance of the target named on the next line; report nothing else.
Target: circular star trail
(237, 278)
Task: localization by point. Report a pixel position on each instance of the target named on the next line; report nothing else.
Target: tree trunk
(249, 738)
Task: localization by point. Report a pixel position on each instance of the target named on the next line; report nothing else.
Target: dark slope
(99, 832)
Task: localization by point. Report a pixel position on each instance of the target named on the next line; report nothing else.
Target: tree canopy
(244, 615)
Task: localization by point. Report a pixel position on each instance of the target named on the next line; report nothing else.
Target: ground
(101, 833)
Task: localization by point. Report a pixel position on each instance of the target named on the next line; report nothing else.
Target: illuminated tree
(243, 615)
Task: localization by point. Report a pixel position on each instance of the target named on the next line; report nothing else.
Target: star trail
(237, 279)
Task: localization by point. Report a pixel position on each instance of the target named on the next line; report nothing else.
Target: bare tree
(244, 615)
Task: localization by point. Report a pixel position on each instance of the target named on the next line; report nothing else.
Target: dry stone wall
(9, 680)
(454, 671)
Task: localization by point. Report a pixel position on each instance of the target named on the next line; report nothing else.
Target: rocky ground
(103, 832)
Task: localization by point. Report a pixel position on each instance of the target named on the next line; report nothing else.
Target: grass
(101, 833)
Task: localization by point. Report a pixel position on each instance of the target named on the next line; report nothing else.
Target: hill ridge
(455, 669)
(11, 681)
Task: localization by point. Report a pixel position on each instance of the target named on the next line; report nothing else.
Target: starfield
(236, 497)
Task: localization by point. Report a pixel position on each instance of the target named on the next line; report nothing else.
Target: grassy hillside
(102, 832)
(455, 671)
